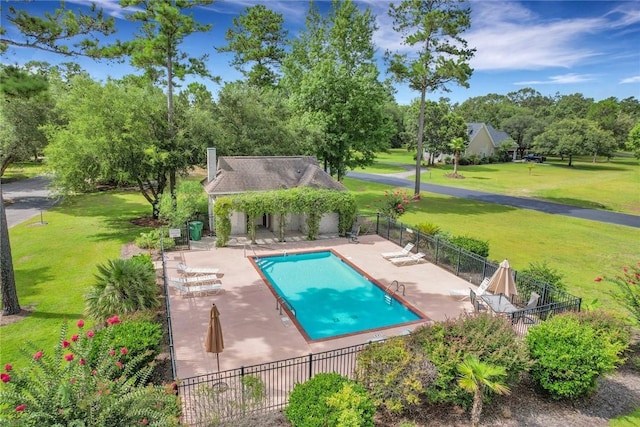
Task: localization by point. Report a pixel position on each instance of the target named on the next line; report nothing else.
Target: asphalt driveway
(519, 202)
(26, 199)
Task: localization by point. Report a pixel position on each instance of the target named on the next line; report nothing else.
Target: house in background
(239, 174)
(484, 140)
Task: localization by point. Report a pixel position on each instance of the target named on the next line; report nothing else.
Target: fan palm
(122, 286)
(458, 145)
(476, 377)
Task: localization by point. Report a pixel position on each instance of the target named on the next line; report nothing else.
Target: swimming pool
(329, 298)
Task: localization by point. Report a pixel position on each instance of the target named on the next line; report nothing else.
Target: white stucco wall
(238, 223)
(329, 223)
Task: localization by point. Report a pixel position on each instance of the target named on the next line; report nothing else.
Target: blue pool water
(329, 297)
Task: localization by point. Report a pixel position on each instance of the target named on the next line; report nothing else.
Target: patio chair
(405, 260)
(527, 309)
(186, 287)
(406, 251)
(463, 294)
(352, 235)
(195, 271)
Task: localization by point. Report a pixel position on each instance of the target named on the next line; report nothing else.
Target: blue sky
(588, 47)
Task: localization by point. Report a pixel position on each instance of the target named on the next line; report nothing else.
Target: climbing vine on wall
(311, 202)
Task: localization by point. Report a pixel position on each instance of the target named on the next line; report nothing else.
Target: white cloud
(625, 15)
(633, 79)
(509, 36)
(292, 11)
(560, 79)
(110, 7)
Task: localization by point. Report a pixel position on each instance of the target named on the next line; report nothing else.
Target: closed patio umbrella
(213, 342)
(502, 281)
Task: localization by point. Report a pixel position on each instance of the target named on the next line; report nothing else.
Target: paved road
(397, 180)
(30, 197)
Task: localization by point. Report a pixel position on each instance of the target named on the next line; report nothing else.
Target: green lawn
(613, 185)
(580, 249)
(55, 263)
(22, 170)
(631, 420)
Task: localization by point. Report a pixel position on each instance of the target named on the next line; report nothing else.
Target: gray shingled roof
(242, 174)
(497, 136)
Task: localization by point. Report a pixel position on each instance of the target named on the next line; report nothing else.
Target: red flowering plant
(65, 386)
(393, 204)
(628, 289)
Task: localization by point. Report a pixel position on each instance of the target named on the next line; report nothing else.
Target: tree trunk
(423, 94)
(477, 406)
(570, 159)
(456, 155)
(10, 304)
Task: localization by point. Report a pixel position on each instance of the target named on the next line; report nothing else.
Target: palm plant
(122, 286)
(458, 145)
(476, 377)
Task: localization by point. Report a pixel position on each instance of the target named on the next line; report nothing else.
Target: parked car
(533, 158)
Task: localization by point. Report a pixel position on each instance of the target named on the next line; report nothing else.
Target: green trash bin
(195, 230)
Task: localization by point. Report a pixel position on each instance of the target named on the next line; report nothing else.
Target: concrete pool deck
(254, 330)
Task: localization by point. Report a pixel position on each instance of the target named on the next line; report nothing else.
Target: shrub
(138, 337)
(570, 352)
(540, 272)
(478, 247)
(395, 374)
(190, 199)
(122, 286)
(628, 293)
(64, 388)
(155, 239)
(446, 344)
(428, 228)
(393, 203)
(328, 399)
(212, 402)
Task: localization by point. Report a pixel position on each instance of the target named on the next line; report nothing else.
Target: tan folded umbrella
(502, 281)
(213, 342)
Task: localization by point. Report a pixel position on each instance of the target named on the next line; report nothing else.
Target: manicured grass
(613, 185)
(631, 420)
(55, 263)
(580, 249)
(22, 170)
(382, 168)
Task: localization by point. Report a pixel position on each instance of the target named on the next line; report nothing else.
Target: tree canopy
(434, 30)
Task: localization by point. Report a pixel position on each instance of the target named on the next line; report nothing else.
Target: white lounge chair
(189, 286)
(464, 293)
(406, 251)
(192, 271)
(413, 259)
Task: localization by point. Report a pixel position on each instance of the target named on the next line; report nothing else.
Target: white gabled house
(229, 175)
(484, 140)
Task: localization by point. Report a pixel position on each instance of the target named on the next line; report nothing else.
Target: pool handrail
(280, 301)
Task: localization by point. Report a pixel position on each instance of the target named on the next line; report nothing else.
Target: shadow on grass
(456, 206)
(592, 166)
(49, 315)
(30, 280)
(577, 202)
(115, 211)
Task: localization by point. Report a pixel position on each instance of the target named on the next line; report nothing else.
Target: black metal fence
(472, 267)
(258, 389)
(238, 393)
